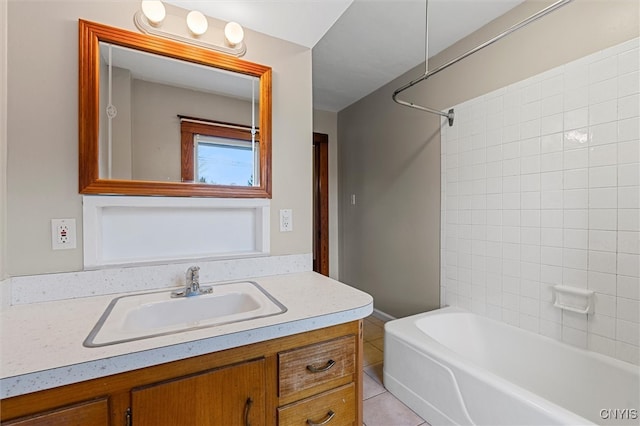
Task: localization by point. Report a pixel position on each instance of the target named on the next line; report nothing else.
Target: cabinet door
(87, 413)
(229, 396)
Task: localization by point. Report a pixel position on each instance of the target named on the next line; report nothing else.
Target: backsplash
(541, 186)
(70, 285)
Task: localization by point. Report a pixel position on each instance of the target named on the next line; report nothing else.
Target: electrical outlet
(63, 234)
(286, 220)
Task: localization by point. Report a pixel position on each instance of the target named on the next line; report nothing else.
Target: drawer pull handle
(326, 367)
(330, 416)
(247, 408)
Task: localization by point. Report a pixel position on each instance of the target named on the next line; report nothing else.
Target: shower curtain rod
(450, 114)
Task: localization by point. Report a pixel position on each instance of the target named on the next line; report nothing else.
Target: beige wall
(3, 137)
(156, 126)
(389, 155)
(327, 123)
(42, 171)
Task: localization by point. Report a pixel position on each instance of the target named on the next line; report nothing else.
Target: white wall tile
(551, 256)
(605, 90)
(629, 197)
(551, 124)
(551, 237)
(552, 105)
(550, 181)
(603, 69)
(576, 238)
(554, 142)
(628, 107)
(628, 332)
(576, 159)
(602, 240)
(575, 219)
(551, 200)
(576, 98)
(605, 304)
(603, 198)
(603, 155)
(601, 282)
(603, 176)
(629, 151)
(603, 219)
(628, 242)
(554, 218)
(580, 118)
(629, 174)
(574, 337)
(601, 261)
(628, 61)
(574, 258)
(603, 112)
(628, 309)
(627, 352)
(628, 84)
(628, 287)
(628, 264)
(541, 186)
(602, 325)
(576, 178)
(551, 162)
(530, 236)
(574, 277)
(601, 344)
(603, 134)
(551, 329)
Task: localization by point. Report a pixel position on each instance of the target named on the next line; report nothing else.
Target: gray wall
(42, 142)
(389, 155)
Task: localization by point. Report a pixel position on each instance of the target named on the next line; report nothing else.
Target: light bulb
(197, 22)
(154, 11)
(234, 33)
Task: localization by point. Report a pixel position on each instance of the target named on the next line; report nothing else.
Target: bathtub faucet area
(192, 282)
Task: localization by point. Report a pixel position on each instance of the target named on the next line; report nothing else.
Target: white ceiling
(357, 45)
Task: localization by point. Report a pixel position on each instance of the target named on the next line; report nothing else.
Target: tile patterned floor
(380, 407)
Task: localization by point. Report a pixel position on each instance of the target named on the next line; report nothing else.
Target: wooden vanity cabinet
(316, 383)
(94, 413)
(233, 395)
(305, 379)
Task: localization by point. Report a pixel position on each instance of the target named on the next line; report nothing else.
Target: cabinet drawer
(317, 367)
(335, 408)
(85, 413)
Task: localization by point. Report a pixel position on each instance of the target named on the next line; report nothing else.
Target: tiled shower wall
(540, 186)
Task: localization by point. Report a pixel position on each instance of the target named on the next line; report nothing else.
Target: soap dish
(573, 299)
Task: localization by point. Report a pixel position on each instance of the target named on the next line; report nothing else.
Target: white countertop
(42, 342)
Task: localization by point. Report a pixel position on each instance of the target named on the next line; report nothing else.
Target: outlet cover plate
(63, 234)
(286, 220)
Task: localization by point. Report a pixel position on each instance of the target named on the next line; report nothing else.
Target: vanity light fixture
(154, 11)
(154, 19)
(234, 33)
(197, 23)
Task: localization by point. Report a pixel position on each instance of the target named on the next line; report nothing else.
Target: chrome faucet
(192, 281)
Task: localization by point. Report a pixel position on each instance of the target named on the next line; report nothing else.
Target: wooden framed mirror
(136, 92)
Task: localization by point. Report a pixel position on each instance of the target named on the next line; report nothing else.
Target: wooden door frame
(321, 211)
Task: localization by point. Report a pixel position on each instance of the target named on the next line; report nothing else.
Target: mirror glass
(166, 123)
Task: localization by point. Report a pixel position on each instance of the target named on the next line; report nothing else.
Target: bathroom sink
(146, 315)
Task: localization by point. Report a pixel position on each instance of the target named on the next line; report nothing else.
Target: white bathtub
(454, 367)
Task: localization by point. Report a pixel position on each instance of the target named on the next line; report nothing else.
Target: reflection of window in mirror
(219, 153)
